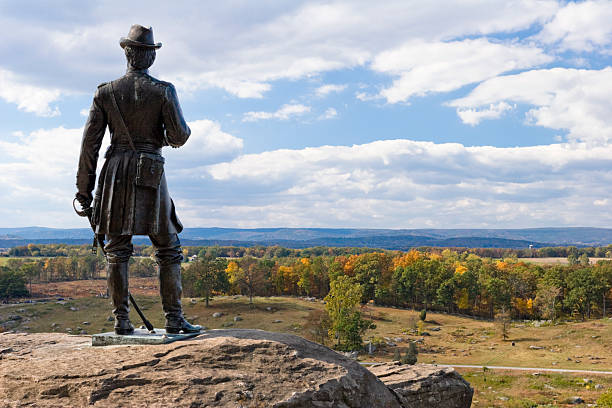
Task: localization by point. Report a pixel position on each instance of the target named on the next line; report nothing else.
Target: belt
(140, 148)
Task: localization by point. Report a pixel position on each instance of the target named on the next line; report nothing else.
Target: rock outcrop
(425, 385)
(220, 368)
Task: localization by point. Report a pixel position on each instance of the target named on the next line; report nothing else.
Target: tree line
(18, 275)
(439, 279)
(275, 251)
(445, 281)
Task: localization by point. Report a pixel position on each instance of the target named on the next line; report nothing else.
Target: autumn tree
(546, 300)
(248, 275)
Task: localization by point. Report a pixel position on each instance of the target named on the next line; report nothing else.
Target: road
(553, 370)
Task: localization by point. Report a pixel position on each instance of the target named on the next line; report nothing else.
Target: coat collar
(132, 70)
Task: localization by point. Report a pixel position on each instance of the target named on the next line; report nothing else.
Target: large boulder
(220, 368)
(425, 385)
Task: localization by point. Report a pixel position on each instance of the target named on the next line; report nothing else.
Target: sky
(358, 114)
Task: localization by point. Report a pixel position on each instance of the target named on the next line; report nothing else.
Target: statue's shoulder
(163, 85)
(101, 90)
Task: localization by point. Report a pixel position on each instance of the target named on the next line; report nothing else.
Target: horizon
(443, 115)
(335, 228)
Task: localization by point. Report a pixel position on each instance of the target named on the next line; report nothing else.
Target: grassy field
(557, 261)
(525, 390)
(459, 340)
(4, 260)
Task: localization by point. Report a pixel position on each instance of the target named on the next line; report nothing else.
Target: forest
(453, 281)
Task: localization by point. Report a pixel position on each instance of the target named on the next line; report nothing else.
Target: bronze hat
(139, 36)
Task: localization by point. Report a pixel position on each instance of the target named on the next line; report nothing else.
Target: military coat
(153, 117)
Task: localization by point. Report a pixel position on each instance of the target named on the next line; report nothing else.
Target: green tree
(583, 291)
(29, 271)
(208, 275)
(446, 294)
(12, 283)
(603, 273)
(499, 294)
(346, 324)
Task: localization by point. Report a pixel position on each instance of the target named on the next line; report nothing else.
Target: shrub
(605, 399)
(410, 357)
(423, 315)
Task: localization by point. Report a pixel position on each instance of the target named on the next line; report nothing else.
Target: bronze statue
(143, 115)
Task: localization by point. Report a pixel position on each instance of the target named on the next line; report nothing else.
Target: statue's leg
(118, 251)
(169, 256)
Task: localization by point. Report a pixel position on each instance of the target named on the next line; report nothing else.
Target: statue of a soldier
(143, 115)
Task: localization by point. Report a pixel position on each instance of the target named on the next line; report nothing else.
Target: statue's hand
(84, 199)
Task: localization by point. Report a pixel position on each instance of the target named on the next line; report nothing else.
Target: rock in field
(424, 385)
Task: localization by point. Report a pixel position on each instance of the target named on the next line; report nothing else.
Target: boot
(118, 288)
(171, 291)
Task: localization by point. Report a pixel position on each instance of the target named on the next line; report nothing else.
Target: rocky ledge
(220, 368)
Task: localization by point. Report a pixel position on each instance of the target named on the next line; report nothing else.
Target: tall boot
(171, 290)
(118, 288)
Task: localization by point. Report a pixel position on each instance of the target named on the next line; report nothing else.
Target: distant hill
(341, 237)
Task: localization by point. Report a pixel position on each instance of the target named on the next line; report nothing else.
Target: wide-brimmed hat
(139, 36)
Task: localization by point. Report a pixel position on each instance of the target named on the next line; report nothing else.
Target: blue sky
(405, 114)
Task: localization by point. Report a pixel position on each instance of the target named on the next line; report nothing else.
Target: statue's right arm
(90, 148)
(177, 130)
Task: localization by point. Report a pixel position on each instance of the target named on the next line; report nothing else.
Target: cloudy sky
(409, 114)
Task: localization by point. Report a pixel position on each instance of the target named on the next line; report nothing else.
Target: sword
(99, 241)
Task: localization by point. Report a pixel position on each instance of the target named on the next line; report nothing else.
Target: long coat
(152, 114)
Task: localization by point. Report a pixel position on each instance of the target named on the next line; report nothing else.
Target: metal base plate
(140, 336)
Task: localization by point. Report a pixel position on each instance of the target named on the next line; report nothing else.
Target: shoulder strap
(121, 121)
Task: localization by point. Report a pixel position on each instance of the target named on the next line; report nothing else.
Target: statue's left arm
(90, 148)
(177, 131)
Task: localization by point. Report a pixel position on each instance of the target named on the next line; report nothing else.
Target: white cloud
(27, 97)
(37, 177)
(424, 67)
(240, 50)
(325, 90)
(391, 184)
(364, 97)
(401, 183)
(475, 116)
(580, 27)
(329, 113)
(575, 100)
(207, 143)
(283, 113)
(38, 170)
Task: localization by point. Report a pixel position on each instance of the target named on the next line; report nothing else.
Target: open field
(557, 261)
(4, 260)
(525, 390)
(459, 340)
(92, 287)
